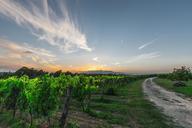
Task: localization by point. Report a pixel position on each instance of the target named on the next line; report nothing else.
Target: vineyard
(35, 99)
(41, 98)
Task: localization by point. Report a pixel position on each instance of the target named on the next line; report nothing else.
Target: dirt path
(172, 105)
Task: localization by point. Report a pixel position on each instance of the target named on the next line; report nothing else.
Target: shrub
(179, 84)
(181, 74)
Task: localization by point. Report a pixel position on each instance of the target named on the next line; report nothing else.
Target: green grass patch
(168, 84)
(129, 108)
(6, 120)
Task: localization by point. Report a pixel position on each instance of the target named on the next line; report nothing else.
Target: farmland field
(108, 101)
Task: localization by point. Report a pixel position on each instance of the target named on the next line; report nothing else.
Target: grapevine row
(45, 96)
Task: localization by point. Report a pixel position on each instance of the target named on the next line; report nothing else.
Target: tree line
(178, 74)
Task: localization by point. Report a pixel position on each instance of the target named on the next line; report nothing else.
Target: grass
(6, 119)
(168, 84)
(129, 108)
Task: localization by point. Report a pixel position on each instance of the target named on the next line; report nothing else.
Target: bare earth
(172, 105)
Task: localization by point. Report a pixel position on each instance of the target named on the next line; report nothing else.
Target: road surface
(172, 105)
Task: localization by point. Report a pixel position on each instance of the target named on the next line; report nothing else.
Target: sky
(133, 36)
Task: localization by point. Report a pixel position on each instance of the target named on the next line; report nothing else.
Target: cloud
(116, 63)
(96, 59)
(137, 58)
(146, 44)
(47, 23)
(142, 57)
(70, 66)
(12, 51)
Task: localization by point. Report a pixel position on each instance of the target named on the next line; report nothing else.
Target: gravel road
(172, 104)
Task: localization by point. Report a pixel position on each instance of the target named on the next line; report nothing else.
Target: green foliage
(110, 91)
(43, 96)
(46, 96)
(14, 90)
(181, 74)
(83, 91)
(72, 124)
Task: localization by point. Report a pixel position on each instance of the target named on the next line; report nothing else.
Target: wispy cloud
(12, 51)
(116, 63)
(45, 23)
(146, 44)
(96, 59)
(142, 57)
(137, 58)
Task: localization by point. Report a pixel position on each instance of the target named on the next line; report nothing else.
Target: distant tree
(181, 74)
(69, 73)
(4, 75)
(30, 72)
(57, 73)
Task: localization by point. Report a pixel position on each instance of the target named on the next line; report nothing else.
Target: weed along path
(172, 105)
